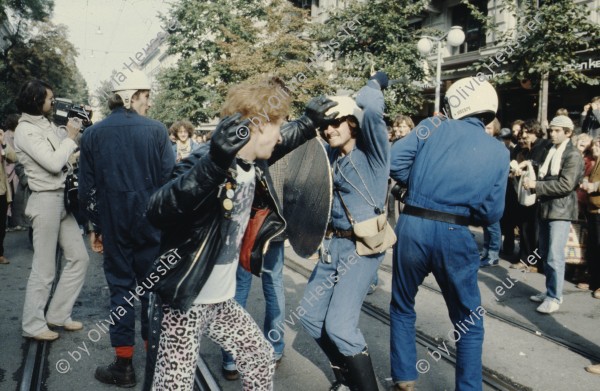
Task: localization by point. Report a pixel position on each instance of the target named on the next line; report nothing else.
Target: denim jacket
(361, 176)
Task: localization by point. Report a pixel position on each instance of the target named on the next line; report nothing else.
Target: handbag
(576, 243)
(526, 197)
(372, 236)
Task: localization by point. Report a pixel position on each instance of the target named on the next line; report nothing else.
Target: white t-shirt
(220, 285)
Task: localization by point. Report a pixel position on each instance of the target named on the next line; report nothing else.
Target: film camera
(65, 109)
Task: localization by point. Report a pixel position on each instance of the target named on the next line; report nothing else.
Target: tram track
(491, 378)
(522, 326)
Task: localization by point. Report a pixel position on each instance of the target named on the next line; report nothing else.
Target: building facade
(518, 100)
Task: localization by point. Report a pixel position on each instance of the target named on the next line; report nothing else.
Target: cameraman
(44, 150)
(590, 118)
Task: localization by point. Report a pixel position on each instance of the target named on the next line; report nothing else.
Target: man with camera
(124, 159)
(590, 117)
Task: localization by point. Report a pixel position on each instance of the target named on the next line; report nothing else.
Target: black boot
(340, 378)
(336, 360)
(360, 374)
(119, 373)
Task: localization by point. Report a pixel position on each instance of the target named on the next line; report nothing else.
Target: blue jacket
(125, 157)
(370, 157)
(453, 166)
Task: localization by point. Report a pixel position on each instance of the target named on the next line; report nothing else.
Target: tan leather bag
(372, 236)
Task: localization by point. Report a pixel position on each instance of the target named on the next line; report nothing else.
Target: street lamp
(454, 37)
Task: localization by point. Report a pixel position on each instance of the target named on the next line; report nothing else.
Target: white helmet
(134, 82)
(472, 97)
(346, 106)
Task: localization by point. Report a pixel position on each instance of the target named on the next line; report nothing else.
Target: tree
(46, 54)
(544, 45)
(224, 42)
(382, 39)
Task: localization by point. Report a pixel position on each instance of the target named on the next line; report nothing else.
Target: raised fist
(231, 134)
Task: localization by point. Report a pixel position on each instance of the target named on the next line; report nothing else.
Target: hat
(505, 133)
(563, 121)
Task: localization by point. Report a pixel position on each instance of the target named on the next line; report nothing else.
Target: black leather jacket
(187, 209)
(189, 212)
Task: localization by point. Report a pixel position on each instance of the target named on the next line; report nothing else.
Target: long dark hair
(32, 96)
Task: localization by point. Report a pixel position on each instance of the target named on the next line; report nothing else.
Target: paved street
(527, 359)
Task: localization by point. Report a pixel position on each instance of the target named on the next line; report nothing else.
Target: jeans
(334, 295)
(492, 239)
(553, 239)
(450, 252)
(272, 282)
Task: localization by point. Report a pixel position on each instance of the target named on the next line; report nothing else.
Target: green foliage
(224, 42)
(546, 39)
(382, 39)
(36, 49)
(44, 53)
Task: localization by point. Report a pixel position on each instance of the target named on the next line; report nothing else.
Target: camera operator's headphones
(134, 82)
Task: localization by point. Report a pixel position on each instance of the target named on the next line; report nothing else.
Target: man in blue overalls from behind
(125, 158)
(456, 175)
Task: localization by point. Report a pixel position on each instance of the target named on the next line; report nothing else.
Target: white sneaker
(541, 297)
(548, 306)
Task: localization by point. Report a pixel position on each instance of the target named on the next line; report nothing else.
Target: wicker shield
(303, 182)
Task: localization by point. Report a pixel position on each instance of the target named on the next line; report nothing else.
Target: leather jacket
(189, 211)
(556, 194)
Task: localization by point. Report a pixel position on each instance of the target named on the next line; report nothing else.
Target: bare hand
(1, 136)
(73, 127)
(96, 243)
(529, 184)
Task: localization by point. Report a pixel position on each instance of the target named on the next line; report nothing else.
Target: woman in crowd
(44, 150)
(184, 143)
(402, 125)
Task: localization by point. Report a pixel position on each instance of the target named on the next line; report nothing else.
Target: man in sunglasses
(359, 153)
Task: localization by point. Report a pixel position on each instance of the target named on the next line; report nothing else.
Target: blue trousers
(335, 293)
(272, 282)
(492, 239)
(450, 252)
(553, 239)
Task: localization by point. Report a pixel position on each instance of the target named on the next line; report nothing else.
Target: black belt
(435, 215)
(338, 233)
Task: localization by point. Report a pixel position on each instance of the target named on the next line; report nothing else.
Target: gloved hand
(381, 78)
(316, 109)
(228, 138)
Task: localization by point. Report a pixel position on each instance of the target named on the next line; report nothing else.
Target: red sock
(146, 344)
(124, 351)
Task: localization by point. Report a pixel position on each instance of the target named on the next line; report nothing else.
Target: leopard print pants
(225, 323)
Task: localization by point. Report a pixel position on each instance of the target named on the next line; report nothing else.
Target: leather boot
(340, 379)
(360, 375)
(119, 373)
(336, 360)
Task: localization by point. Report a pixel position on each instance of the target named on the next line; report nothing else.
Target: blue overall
(450, 166)
(335, 291)
(126, 158)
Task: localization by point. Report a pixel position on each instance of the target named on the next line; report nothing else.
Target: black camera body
(64, 109)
